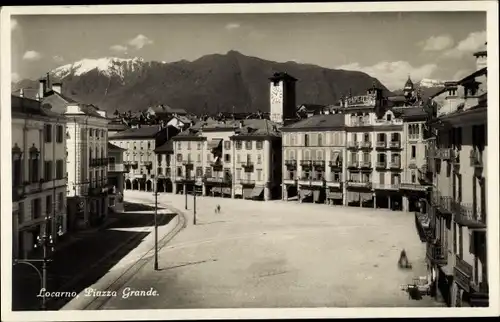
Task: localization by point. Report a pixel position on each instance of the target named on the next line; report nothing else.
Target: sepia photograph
(236, 158)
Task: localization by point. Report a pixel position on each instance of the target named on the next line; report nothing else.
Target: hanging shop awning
(305, 193)
(365, 196)
(226, 191)
(316, 194)
(334, 195)
(257, 191)
(247, 193)
(352, 196)
(214, 143)
(216, 189)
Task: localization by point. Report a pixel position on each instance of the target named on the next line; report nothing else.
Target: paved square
(280, 254)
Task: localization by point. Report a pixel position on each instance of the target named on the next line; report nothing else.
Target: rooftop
(113, 147)
(168, 146)
(318, 122)
(29, 106)
(143, 132)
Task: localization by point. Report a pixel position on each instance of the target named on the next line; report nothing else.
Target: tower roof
(409, 83)
(282, 76)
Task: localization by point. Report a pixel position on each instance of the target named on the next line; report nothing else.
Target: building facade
(139, 157)
(38, 174)
(313, 154)
(116, 177)
(234, 158)
(455, 220)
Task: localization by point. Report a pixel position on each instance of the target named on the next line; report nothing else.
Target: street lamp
(156, 221)
(47, 243)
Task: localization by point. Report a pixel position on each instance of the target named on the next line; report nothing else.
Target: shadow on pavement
(129, 206)
(82, 263)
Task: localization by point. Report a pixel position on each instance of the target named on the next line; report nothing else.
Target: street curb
(115, 283)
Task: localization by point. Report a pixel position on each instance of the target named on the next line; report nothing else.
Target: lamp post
(47, 243)
(156, 221)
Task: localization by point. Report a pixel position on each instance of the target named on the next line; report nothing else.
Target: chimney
(21, 93)
(42, 89)
(57, 87)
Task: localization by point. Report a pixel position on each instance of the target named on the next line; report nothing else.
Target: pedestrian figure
(218, 209)
(403, 260)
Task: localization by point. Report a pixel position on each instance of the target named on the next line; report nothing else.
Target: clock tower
(282, 98)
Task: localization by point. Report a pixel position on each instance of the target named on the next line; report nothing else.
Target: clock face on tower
(276, 94)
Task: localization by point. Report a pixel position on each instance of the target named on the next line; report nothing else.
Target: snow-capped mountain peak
(109, 66)
(427, 82)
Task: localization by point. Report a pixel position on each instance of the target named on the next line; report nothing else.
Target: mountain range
(212, 83)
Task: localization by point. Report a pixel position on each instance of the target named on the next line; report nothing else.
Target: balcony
(290, 179)
(335, 164)
(395, 165)
(291, 163)
(442, 203)
(352, 145)
(412, 186)
(359, 184)
(305, 180)
(365, 164)
(305, 163)
(117, 167)
(469, 216)
(318, 180)
(319, 164)
(443, 153)
(476, 159)
(462, 273)
(437, 253)
(380, 145)
(395, 145)
(352, 164)
(381, 165)
(364, 145)
(386, 186)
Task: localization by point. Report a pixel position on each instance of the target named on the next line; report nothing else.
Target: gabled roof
(318, 123)
(475, 74)
(68, 100)
(412, 113)
(112, 147)
(256, 128)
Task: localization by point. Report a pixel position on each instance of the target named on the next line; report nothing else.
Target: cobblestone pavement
(86, 258)
(280, 254)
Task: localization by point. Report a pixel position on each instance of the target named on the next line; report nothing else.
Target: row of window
(227, 158)
(33, 171)
(96, 133)
(98, 179)
(227, 145)
(320, 155)
(48, 133)
(36, 208)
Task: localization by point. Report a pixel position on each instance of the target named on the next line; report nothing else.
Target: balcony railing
(247, 181)
(468, 215)
(319, 164)
(395, 164)
(442, 203)
(305, 163)
(291, 163)
(437, 253)
(352, 145)
(381, 145)
(462, 273)
(353, 164)
(381, 165)
(335, 164)
(247, 165)
(334, 181)
(359, 184)
(187, 162)
(365, 164)
(476, 159)
(365, 145)
(395, 144)
(412, 186)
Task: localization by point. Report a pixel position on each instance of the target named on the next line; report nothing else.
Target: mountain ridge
(214, 82)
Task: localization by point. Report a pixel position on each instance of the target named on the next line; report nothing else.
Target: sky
(388, 46)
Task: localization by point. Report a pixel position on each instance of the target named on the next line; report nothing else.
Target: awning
(238, 190)
(352, 196)
(247, 193)
(305, 193)
(217, 189)
(334, 195)
(226, 191)
(316, 194)
(256, 192)
(335, 156)
(365, 196)
(214, 143)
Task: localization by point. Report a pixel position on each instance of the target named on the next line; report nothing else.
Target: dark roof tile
(318, 122)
